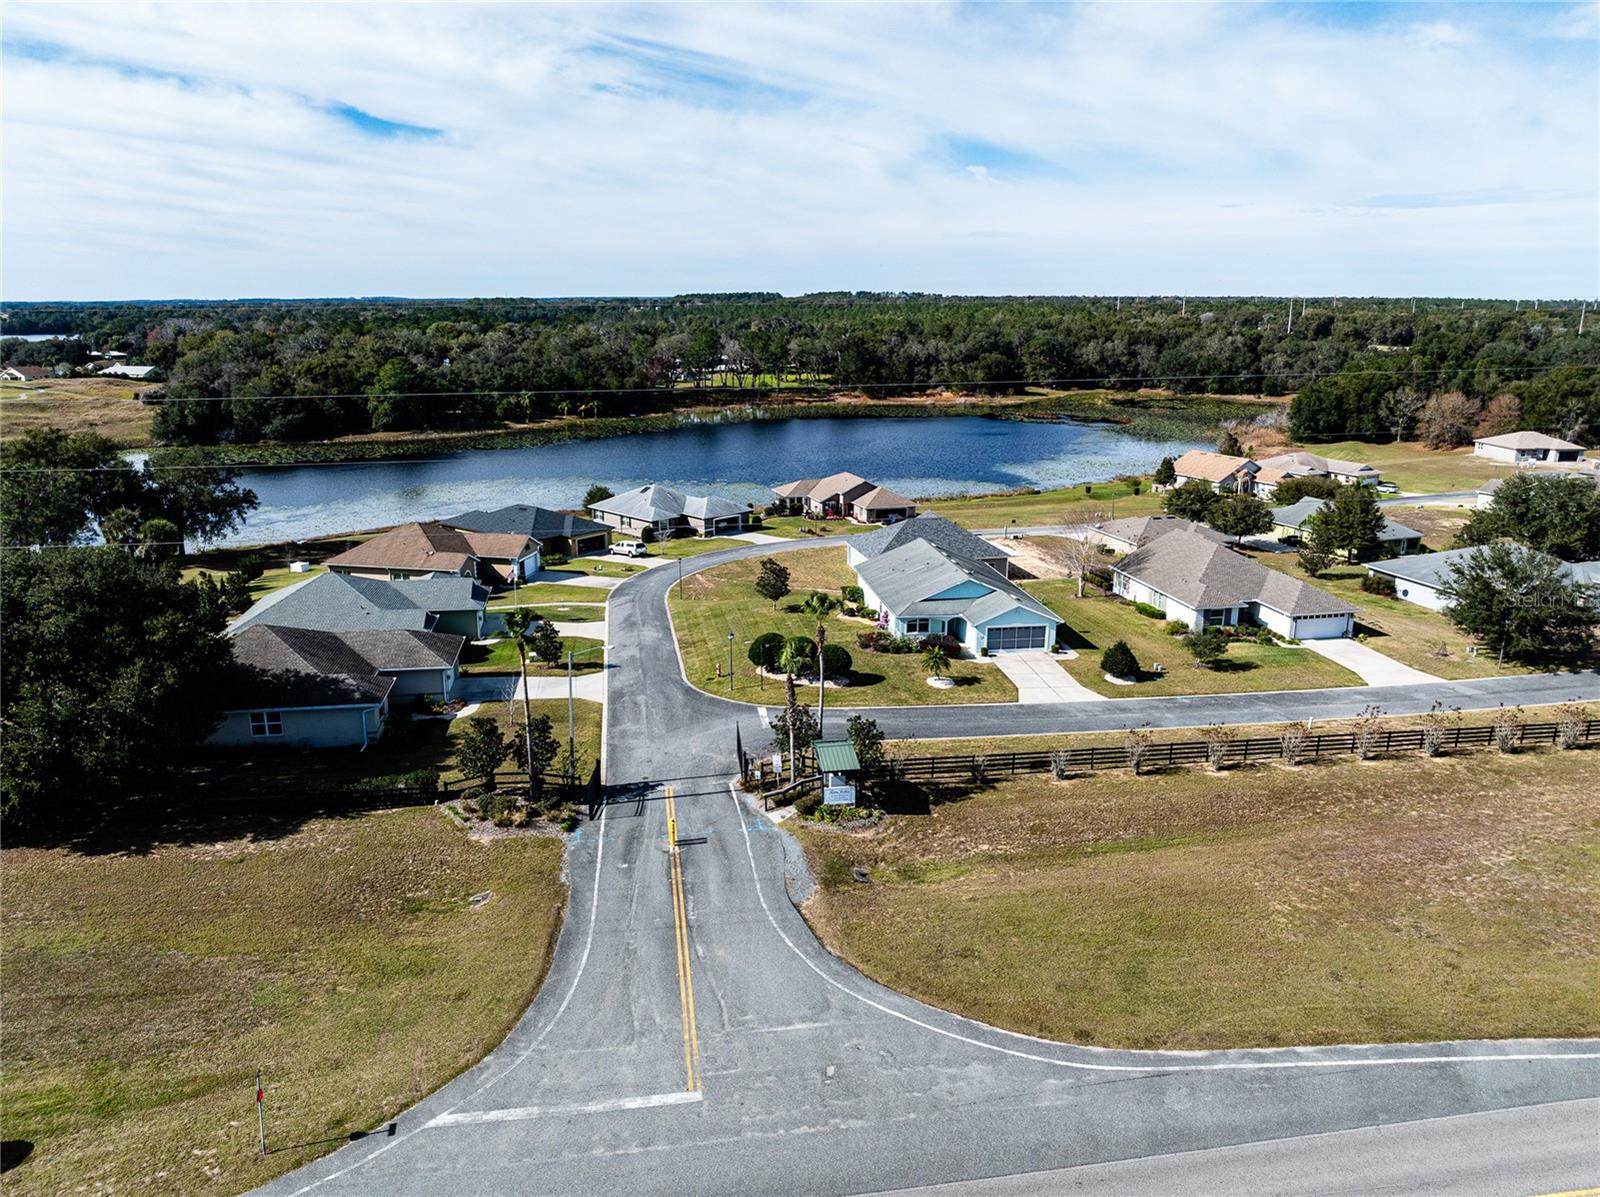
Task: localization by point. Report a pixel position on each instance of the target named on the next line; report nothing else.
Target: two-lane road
(694, 1037)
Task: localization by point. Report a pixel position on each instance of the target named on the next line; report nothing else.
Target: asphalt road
(694, 1037)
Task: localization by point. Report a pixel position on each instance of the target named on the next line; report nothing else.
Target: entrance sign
(839, 796)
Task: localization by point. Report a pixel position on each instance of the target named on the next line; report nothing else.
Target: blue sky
(224, 150)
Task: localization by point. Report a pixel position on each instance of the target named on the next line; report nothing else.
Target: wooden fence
(1311, 747)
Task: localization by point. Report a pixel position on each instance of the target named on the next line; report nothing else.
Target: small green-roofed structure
(836, 756)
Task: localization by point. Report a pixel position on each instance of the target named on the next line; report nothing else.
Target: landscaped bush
(1100, 575)
(842, 814)
(1378, 584)
(802, 648)
(835, 660)
(808, 804)
(1149, 612)
(852, 594)
(764, 650)
(548, 559)
(880, 640)
(951, 646)
(1119, 661)
(1176, 627)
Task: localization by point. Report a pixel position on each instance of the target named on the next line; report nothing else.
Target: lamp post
(730, 662)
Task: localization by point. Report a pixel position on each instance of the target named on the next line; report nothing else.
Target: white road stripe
(523, 1113)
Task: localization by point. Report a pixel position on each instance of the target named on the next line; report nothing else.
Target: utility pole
(1583, 310)
(1183, 306)
(1291, 319)
(822, 679)
(572, 759)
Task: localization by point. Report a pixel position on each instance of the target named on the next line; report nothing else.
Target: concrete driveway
(1039, 678)
(1371, 666)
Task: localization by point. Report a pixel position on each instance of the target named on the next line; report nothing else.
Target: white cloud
(155, 150)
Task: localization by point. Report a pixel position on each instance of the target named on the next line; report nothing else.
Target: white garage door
(1002, 640)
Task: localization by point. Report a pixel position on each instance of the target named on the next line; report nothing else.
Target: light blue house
(922, 589)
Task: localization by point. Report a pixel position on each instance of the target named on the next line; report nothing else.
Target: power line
(1101, 382)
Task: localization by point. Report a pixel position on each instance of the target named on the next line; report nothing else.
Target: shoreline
(1129, 409)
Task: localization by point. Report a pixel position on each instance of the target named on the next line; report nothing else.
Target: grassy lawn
(1069, 505)
(797, 526)
(1342, 903)
(711, 603)
(1413, 467)
(603, 567)
(339, 955)
(573, 613)
(104, 405)
(431, 744)
(693, 546)
(270, 580)
(1408, 633)
(548, 592)
(1098, 622)
(500, 656)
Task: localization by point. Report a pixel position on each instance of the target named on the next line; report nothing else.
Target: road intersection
(693, 1036)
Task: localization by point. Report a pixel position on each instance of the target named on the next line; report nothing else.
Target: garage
(1002, 640)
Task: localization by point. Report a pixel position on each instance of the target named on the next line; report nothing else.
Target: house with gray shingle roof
(668, 512)
(1288, 522)
(1420, 579)
(935, 529)
(1522, 448)
(920, 588)
(305, 688)
(1127, 534)
(1206, 584)
(350, 603)
(556, 531)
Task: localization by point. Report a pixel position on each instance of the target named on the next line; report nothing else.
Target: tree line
(302, 370)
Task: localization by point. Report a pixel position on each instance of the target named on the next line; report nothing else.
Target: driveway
(1039, 678)
(1371, 666)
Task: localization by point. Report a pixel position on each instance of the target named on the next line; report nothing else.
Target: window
(266, 723)
(1003, 639)
(914, 626)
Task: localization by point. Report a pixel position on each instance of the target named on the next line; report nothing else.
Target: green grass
(1404, 631)
(1098, 622)
(693, 546)
(548, 592)
(500, 656)
(712, 602)
(1353, 902)
(1065, 506)
(1413, 467)
(144, 988)
(797, 526)
(602, 567)
(573, 613)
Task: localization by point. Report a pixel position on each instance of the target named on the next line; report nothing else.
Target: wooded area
(306, 370)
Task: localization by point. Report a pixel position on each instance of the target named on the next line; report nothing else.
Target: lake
(916, 456)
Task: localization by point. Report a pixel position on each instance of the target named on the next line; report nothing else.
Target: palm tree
(936, 661)
(517, 622)
(818, 605)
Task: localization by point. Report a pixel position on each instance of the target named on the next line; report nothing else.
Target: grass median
(1376, 901)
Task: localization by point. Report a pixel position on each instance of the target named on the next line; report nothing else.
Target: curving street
(693, 1035)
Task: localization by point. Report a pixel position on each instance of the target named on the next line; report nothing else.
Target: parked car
(631, 548)
(1388, 488)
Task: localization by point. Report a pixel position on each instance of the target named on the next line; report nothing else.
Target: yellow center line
(680, 927)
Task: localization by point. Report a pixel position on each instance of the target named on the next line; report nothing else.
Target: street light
(572, 755)
(730, 662)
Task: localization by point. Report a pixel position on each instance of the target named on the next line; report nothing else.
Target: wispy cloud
(440, 149)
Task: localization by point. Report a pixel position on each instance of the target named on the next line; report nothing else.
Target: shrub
(1571, 722)
(1378, 584)
(1507, 728)
(1368, 727)
(647, 535)
(835, 660)
(1060, 764)
(1292, 743)
(1137, 742)
(1149, 612)
(1218, 738)
(950, 645)
(553, 559)
(764, 650)
(801, 648)
(1435, 724)
(808, 804)
(1176, 627)
(1209, 645)
(1119, 661)
(852, 594)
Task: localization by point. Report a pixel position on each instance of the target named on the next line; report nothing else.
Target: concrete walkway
(1039, 678)
(761, 538)
(1371, 666)
(502, 687)
(593, 630)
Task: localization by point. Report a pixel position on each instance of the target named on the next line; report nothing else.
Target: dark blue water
(917, 457)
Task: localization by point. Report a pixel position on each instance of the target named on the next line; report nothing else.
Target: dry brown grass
(102, 405)
(1378, 901)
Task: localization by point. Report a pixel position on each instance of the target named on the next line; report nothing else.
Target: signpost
(261, 1112)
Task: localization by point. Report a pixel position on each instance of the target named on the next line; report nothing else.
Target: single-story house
(670, 512)
(921, 589)
(311, 689)
(556, 531)
(1221, 471)
(1300, 464)
(1395, 539)
(25, 373)
(350, 602)
(1521, 448)
(1419, 579)
(950, 537)
(138, 373)
(1206, 584)
(421, 550)
(1127, 534)
(843, 496)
